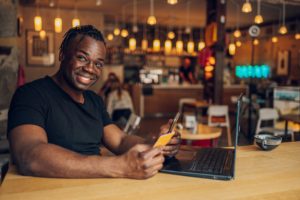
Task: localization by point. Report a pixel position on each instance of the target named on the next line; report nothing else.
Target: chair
(4, 146)
(183, 101)
(218, 116)
(270, 114)
(132, 124)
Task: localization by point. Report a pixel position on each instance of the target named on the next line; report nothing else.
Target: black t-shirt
(186, 72)
(72, 125)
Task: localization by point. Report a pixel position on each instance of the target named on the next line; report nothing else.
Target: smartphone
(172, 126)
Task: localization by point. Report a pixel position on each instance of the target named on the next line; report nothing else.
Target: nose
(89, 67)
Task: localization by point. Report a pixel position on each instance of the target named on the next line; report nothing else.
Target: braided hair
(85, 30)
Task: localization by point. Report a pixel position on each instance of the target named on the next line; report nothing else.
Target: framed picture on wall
(40, 48)
(283, 61)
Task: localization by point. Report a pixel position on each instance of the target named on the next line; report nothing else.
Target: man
(56, 125)
(186, 73)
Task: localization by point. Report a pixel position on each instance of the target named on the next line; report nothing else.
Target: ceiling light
(151, 19)
(132, 44)
(144, 44)
(172, 2)
(42, 34)
(110, 37)
(58, 25)
(75, 22)
(237, 33)
(156, 45)
(283, 30)
(258, 18)
(135, 28)
(124, 33)
(117, 31)
(232, 49)
(98, 2)
(247, 8)
(255, 41)
(51, 3)
(37, 23)
(238, 43)
(274, 39)
(297, 36)
(179, 46)
(171, 35)
(201, 45)
(168, 46)
(190, 47)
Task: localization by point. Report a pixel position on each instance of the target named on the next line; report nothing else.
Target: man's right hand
(142, 161)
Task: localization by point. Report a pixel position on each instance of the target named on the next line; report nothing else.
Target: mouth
(85, 79)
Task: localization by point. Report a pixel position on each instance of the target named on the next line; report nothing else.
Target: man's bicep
(24, 138)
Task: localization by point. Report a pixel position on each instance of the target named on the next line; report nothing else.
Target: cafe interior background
(249, 46)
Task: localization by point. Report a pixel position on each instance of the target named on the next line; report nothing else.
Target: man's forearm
(48, 160)
(129, 141)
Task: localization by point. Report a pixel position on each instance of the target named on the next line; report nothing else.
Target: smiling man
(56, 125)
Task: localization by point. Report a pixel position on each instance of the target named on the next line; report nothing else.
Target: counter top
(177, 86)
(259, 175)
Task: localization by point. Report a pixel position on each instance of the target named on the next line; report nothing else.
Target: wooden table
(198, 106)
(204, 132)
(259, 175)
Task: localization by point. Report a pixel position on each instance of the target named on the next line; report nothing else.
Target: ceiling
(176, 15)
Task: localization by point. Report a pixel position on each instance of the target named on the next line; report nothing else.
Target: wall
(266, 52)
(48, 15)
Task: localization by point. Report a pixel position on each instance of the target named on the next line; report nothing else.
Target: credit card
(163, 140)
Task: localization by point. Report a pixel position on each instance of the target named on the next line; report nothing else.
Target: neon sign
(252, 71)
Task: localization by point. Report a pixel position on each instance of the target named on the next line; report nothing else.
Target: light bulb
(179, 46)
(135, 28)
(156, 45)
(255, 42)
(297, 36)
(132, 44)
(42, 34)
(201, 45)
(258, 19)
(117, 31)
(58, 25)
(124, 33)
(172, 2)
(171, 35)
(151, 20)
(237, 33)
(75, 22)
(168, 46)
(231, 49)
(190, 47)
(247, 7)
(238, 43)
(282, 30)
(110, 37)
(144, 44)
(37, 23)
(98, 2)
(274, 39)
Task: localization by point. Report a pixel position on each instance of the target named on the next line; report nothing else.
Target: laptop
(211, 163)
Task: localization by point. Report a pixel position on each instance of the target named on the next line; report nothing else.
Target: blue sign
(250, 71)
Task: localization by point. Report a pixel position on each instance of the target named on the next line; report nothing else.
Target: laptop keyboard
(212, 160)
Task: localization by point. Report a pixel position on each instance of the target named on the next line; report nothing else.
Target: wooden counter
(259, 175)
(164, 99)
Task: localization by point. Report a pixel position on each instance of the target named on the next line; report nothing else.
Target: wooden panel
(166, 101)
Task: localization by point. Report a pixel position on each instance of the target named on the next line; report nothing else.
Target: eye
(99, 65)
(81, 58)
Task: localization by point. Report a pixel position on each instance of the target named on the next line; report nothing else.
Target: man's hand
(172, 148)
(142, 161)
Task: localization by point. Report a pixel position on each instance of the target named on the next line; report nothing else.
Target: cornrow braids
(85, 30)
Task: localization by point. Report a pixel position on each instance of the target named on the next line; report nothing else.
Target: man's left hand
(172, 148)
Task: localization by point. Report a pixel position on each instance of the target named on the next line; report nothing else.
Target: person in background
(119, 104)
(186, 73)
(106, 88)
(56, 126)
